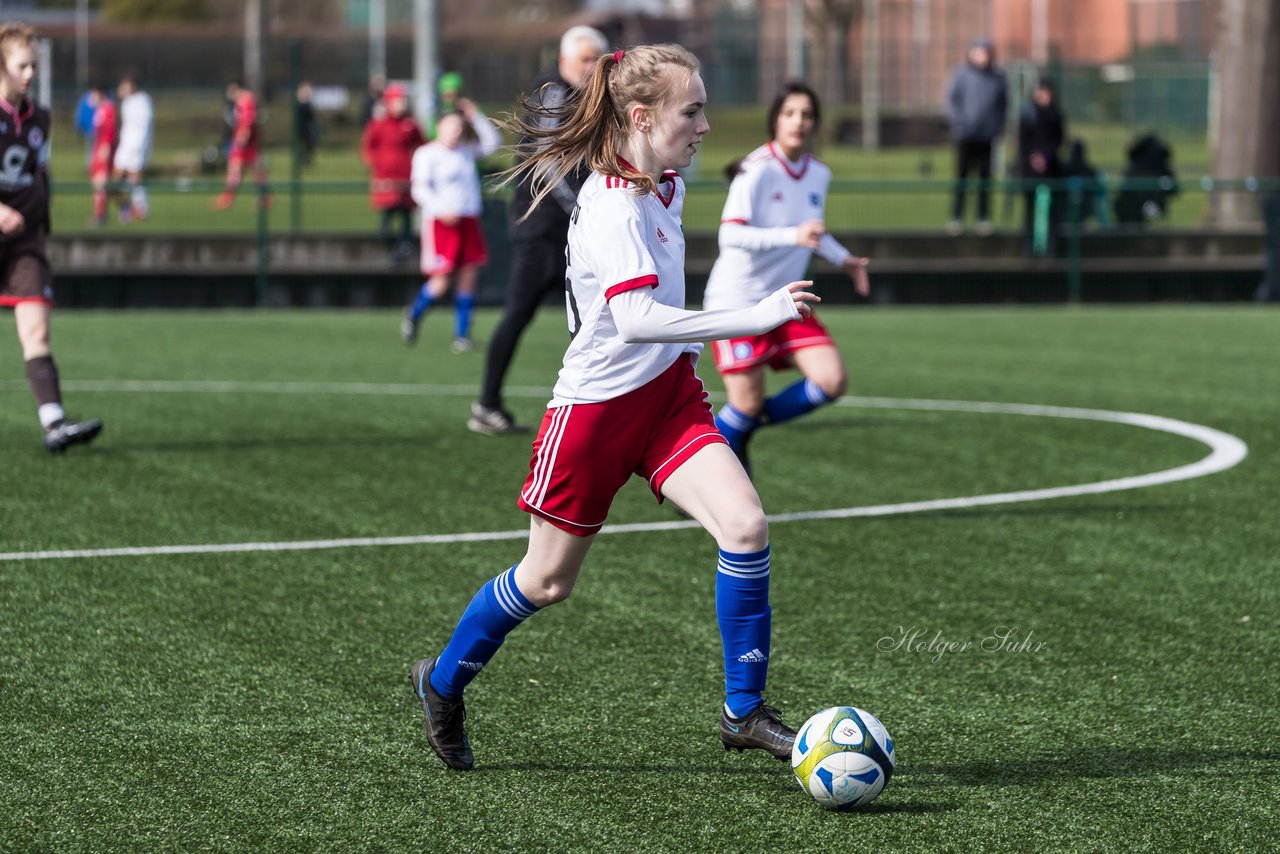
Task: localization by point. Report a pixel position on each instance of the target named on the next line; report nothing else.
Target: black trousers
(537, 269)
(971, 155)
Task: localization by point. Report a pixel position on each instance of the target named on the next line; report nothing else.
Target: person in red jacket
(387, 147)
(243, 151)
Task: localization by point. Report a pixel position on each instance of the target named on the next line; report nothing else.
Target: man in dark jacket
(1041, 131)
(977, 99)
(537, 243)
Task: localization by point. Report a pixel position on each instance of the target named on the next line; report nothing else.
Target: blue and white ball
(843, 757)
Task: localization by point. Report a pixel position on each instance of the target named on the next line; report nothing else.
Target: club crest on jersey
(741, 350)
(777, 196)
(815, 199)
(36, 137)
(4, 127)
(662, 237)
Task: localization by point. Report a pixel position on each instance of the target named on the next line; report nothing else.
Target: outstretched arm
(643, 320)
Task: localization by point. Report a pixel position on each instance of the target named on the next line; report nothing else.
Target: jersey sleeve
(613, 229)
(420, 183)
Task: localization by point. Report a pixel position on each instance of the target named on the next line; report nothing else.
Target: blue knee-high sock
(735, 425)
(422, 303)
(797, 399)
(462, 307)
(742, 610)
(496, 609)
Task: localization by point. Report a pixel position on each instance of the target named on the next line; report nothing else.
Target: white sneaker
(955, 227)
(461, 345)
(984, 227)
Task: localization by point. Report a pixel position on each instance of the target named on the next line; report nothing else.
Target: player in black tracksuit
(538, 242)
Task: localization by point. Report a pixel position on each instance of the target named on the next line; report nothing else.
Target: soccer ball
(843, 757)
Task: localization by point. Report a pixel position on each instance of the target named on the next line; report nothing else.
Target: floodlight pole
(255, 46)
(426, 60)
(377, 38)
(82, 45)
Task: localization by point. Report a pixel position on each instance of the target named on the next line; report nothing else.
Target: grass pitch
(250, 701)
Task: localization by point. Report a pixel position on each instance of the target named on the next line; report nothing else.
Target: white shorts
(132, 158)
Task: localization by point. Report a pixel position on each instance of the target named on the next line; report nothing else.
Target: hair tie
(618, 54)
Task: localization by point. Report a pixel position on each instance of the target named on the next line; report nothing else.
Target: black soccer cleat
(67, 433)
(408, 329)
(762, 729)
(444, 719)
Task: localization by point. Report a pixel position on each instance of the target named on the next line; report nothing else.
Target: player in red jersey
(102, 154)
(627, 400)
(26, 284)
(243, 152)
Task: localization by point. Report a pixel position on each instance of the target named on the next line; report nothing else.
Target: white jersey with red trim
(619, 241)
(768, 199)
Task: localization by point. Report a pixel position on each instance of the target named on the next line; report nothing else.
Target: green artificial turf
(258, 700)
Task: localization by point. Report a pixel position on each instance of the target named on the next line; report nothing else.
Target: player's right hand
(808, 234)
(11, 221)
(802, 297)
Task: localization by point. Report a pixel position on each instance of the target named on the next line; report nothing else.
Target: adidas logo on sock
(753, 657)
(472, 665)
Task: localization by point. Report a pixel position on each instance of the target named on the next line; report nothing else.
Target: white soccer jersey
(768, 199)
(134, 146)
(618, 242)
(444, 181)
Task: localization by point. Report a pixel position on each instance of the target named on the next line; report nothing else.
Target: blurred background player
(26, 284)
(307, 124)
(771, 226)
(388, 146)
(627, 400)
(102, 156)
(537, 234)
(243, 152)
(134, 149)
(977, 99)
(446, 186)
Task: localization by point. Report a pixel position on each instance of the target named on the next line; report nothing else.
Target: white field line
(1225, 451)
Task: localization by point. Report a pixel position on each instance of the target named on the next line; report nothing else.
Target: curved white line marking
(1226, 451)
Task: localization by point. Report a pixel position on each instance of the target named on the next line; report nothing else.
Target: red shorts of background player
(585, 452)
(445, 248)
(774, 348)
(99, 168)
(245, 155)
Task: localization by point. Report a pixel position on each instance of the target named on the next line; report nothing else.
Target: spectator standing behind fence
(26, 284)
(84, 120)
(134, 149)
(977, 100)
(388, 146)
(1041, 132)
(100, 159)
(243, 151)
(372, 106)
(446, 187)
(308, 127)
(537, 236)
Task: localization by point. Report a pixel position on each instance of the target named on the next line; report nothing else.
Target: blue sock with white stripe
(421, 304)
(462, 307)
(735, 425)
(495, 610)
(799, 398)
(744, 615)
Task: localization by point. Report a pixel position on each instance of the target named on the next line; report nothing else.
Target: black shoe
(444, 719)
(763, 729)
(493, 421)
(67, 433)
(408, 329)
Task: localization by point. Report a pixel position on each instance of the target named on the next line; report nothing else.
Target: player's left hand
(11, 220)
(857, 269)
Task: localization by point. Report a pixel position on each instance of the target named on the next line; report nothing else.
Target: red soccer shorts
(774, 348)
(585, 452)
(245, 155)
(99, 168)
(445, 248)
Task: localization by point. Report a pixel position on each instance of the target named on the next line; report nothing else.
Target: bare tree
(831, 21)
(1248, 120)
